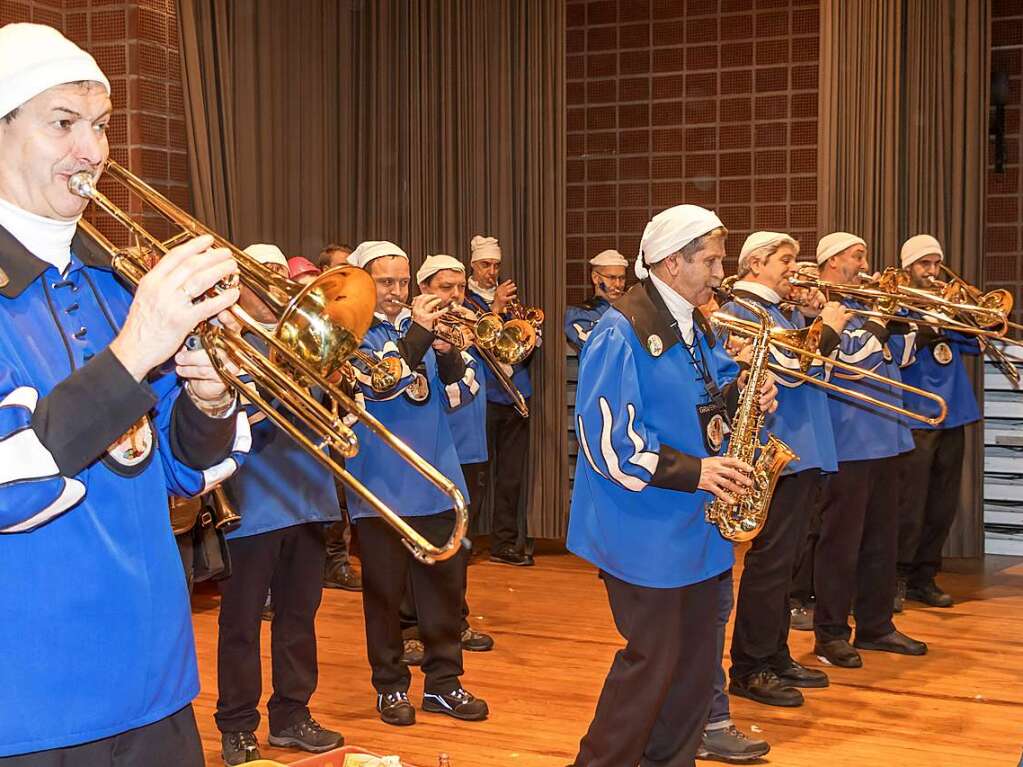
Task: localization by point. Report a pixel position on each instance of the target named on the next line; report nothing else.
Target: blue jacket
(580, 321)
(99, 629)
(863, 431)
(519, 373)
(802, 420)
(468, 420)
(947, 378)
(414, 410)
(636, 512)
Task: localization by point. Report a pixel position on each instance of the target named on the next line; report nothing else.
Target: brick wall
(136, 45)
(712, 102)
(1003, 265)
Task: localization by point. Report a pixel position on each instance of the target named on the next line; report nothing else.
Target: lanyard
(700, 363)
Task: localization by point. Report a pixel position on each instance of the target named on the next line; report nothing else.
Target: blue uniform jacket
(946, 378)
(468, 420)
(98, 635)
(862, 431)
(414, 410)
(802, 420)
(636, 512)
(519, 373)
(580, 321)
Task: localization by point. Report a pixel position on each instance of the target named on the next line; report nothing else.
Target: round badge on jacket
(655, 345)
(419, 390)
(942, 353)
(716, 432)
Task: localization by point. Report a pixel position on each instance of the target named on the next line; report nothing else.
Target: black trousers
(339, 534)
(856, 553)
(289, 563)
(655, 700)
(760, 635)
(508, 448)
(386, 568)
(802, 578)
(928, 500)
(170, 742)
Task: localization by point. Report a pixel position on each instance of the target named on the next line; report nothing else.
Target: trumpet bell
(515, 342)
(488, 329)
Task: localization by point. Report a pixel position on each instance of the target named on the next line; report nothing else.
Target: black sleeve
(925, 336)
(677, 471)
(196, 439)
(878, 330)
(731, 393)
(900, 327)
(88, 411)
(450, 367)
(829, 341)
(414, 345)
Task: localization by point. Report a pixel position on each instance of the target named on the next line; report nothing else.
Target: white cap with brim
(834, 243)
(371, 249)
(670, 231)
(438, 263)
(609, 258)
(484, 249)
(917, 247)
(267, 254)
(35, 58)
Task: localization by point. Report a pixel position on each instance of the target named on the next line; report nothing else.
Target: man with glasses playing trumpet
(433, 376)
(607, 273)
(104, 412)
(931, 474)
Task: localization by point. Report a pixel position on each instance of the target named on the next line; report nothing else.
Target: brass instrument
(319, 328)
(743, 519)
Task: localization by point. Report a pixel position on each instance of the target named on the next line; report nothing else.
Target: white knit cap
(438, 263)
(34, 58)
(834, 243)
(761, 239)
(609, 258)
(670, 231)
(267, 254)
(371, 249)
(484, 249)
(917, 247)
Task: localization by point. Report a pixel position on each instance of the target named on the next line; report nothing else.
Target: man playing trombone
(931, 474)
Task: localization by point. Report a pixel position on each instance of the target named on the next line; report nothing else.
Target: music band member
(284, 497)
(607, 273)
(932, 473)
(855, 555)
(333, 255)
(104, 413)
(654, 392)
(507, 430)
(435, 376)
(762, 667)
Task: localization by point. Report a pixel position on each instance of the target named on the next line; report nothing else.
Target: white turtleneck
(761, 291)
(680, 309)
(487, 293)
(48, 239)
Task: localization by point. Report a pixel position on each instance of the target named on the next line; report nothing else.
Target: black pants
(760, 636)
(339, 534)
(508, 448)
(928, 500)
(289, 563)
(856, 552)
(802, 578)
(438, 588)
(655, 700)
(170, 742)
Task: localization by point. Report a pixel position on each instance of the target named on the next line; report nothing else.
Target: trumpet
(319, 328)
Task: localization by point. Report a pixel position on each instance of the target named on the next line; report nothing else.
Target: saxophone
(743, 520)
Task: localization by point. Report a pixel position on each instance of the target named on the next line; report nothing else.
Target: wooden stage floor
(960, 706)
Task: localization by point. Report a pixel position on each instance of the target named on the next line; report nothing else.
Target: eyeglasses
(611, 277)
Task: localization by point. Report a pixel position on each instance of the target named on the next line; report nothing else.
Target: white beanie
(267, 254)
(759, 240)
(834, 243)
(484, 249)
(34, 58)
(609, 258)
(438, 263)
(670, 231)
(917, 247)
(371, 249)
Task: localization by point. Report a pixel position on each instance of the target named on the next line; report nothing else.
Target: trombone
(320, 326)
(799, 342)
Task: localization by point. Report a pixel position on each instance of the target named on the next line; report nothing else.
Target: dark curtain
(423, 122)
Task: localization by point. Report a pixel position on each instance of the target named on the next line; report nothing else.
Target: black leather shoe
(765, 687)
(900, 595)
(837, 652)
(394, 708)
(929, 594)
(343, 577)
(238, 747)
(508, 555)
(798, 675)
(307, 735)
(895, 642)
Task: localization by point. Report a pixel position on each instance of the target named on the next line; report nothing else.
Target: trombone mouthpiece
(82, 184)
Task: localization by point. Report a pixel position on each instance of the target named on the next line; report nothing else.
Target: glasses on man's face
(613, 277)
